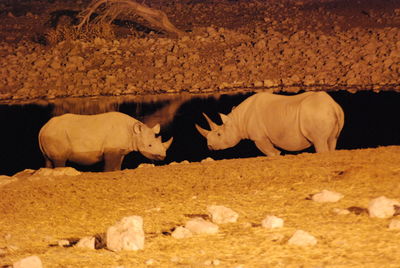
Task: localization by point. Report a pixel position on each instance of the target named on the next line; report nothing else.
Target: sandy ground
(38, 212)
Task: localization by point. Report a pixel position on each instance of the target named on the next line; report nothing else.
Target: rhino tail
(47, 160)
(340, 118)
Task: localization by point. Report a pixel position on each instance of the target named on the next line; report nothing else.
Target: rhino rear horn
(202, 131)
(213, 126)
(168, 143)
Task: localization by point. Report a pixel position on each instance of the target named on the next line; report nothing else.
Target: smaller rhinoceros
(272, 121)
(88, 139)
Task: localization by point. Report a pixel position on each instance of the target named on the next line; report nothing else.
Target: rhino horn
(202, 131)
(210, 122)
(168, 143)
(224, 118)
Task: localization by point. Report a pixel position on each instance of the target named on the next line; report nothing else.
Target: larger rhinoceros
(88, 139)
(272, 121)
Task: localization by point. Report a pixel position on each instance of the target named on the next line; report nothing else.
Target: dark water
(371, 120)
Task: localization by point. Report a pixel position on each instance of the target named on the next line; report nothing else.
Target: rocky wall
(208, 59)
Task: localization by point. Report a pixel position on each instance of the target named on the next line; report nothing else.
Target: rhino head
(148, 144)
(220, 136)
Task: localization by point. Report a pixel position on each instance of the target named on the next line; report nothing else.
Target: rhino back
(267, 115)
(72, 133)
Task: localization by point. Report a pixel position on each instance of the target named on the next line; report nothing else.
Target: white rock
(63, 243)
(29, 262)
(86, 242)
(181, 232)
(221, 214)
(340, 211)
(126, 234)
(302, 238)
(60, 171)
(382, 207)
(327, 196)
(143, 165)
(201, 226)
(271, 222)
(394, 224)
(208, 159)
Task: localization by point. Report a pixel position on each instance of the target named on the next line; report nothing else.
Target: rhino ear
(156, 128)
(224, 118)
(137, 128)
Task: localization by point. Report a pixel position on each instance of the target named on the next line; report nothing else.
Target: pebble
(221, 214)
(382, 207)
(302, 238)
(201, 226)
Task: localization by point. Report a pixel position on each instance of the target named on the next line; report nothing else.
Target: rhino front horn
(168, 143)
(202, 131)
(210, 122)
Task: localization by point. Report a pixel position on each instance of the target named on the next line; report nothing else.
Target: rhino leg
(113, 161)
(266, 147)
(321, 146)
(48, 163)
(58, 163)
(332, 143)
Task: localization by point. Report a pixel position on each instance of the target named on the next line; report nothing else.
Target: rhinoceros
(88, 139)
(272, 121)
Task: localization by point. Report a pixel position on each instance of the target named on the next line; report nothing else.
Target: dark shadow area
(371, 120)
(20, 127)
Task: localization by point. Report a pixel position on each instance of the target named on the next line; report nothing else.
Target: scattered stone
(63, 243)
(86, 242)
(340, 211)
(181, 232)
(394, 224)
(271, 222)
(143, 165)
(56, 172)
(302, 238)
(221, 214)
(126, 234)
(208, 159)
(28, 262)
(201, 226)
(382, 207)
(327, 196)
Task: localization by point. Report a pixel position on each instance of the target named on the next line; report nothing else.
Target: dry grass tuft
(71, 33)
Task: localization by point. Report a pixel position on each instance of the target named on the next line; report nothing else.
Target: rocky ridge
(266, 54)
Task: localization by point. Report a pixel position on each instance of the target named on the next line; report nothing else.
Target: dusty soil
(301, 44)
(39, 211)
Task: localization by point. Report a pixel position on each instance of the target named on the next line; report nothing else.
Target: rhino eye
(150, 145)
(219, 134)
